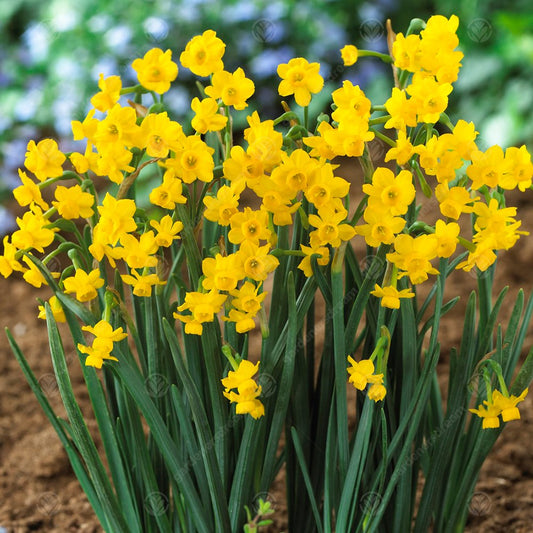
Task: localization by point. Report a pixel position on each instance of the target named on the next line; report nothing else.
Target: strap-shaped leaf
(81, 435)
(358, 460)
(307, 479)
(339, 354)
(75, 461)
(207, 440)
(130, 377)
(284, 391)
(190, 442)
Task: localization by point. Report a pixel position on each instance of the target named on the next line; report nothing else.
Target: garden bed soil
(38, 491)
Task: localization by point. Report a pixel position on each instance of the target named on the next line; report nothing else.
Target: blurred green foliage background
(51, 54)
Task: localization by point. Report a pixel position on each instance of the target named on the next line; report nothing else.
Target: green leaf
(307, 480)
(303, 302)
(112, 452)
(243, 474)
(321, 280)
(525, 375)
(339, 354)
(212, 357)
(358, 461)
(130, 377)
(284, 391)
(82, 438)
(514, 353)
(410, 423)
(191, 443)
(206, 438)
(363, 294)
(75, 461)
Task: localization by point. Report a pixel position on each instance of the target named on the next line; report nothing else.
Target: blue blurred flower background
(51, 54)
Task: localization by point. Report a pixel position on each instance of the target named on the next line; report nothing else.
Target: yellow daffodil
(73, 202)
(44, 159)
(142, 283)
(301, 78)
(223, 206)
(381, 226)
(249, 225)
(349, 54)
(192, 160)
(28, 192)
(105, 335)
(222, 272)
(331, 228)
(489, 413)
(323, 257)
(33, 231)
(412, 255)
(454, 201)
(160, 134)
(139, 252)
(56, 308)
(390, 296)
(167, 230)
(95, 357)
(233, 89)
(248, 391)
(169, 193)
(8, 262)
(206, 115)
(84, 284)
(156, 70)
(507, 404)
(256, 260)
(203, 54)
(203, 307)
(109, 93)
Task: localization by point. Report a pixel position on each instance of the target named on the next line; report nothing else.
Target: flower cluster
(248, 391)
(350, 129)
(362, 373)
(499, 404)
(467, 179)
(432, 59)
(102, 345)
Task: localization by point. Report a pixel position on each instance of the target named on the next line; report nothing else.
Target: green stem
(386, 58)
(379, 120)
(339, 349)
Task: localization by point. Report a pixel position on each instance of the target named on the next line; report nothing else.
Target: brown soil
(38, 491)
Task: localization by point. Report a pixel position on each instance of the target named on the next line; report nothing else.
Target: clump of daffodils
(203, 185)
